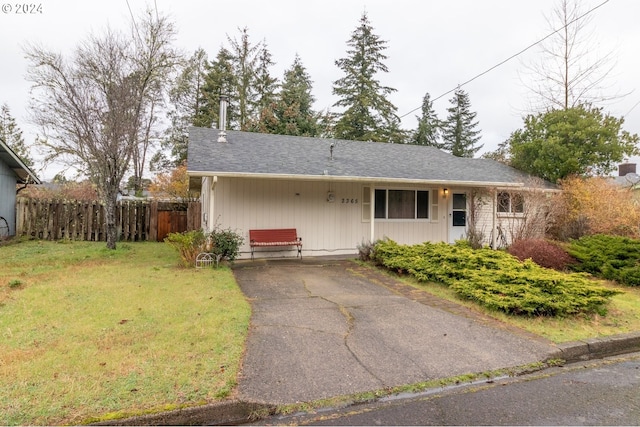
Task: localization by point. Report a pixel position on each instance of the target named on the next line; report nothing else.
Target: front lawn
(87, 332)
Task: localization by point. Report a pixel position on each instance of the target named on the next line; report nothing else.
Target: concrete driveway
(323, 328)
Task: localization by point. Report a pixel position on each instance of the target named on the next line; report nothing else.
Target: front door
(457, 217)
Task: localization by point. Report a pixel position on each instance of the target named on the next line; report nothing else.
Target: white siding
(326, 228)
(508, 223)
(485, 218)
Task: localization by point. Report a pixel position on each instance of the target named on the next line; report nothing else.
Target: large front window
(401, 204)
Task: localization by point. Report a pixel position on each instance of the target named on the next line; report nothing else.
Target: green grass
(88, 334)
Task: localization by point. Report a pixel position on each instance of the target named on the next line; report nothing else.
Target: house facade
(12, 172)
(340, 194)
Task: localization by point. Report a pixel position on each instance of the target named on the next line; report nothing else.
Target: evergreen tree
(186, 100)
(265, 85)
(220, 79)
(11, 135)
(459, 132)
(293, 114)
(242, 73)
(246, 57)
(428, 130)
(368, 114)
(576, 141)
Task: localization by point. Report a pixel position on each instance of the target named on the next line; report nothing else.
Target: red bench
(275, 237)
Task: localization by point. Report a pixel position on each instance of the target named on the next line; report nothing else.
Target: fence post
(19, 216)
(194, 215)
(153, 221)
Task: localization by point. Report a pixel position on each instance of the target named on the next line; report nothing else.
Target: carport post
(372, 211)
(494, 215)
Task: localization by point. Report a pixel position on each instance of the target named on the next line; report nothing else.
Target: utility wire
(632, 108)
(511, 57)
(133, 19)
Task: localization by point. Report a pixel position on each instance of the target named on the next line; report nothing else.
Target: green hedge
(496, 279)
(610, 257)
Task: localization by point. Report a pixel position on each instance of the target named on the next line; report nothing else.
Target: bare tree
(570, 72)
(96, 108)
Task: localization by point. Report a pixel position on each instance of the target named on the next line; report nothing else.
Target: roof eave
(22, 171)
(363, 179)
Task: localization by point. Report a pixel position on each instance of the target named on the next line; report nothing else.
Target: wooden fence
(82, 220)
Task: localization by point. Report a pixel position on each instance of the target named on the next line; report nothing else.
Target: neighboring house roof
(280, 156)
(22, 171)
(629, 180)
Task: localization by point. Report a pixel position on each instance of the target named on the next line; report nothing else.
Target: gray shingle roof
(248, 153)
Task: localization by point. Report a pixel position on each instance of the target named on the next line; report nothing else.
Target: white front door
(457, 217)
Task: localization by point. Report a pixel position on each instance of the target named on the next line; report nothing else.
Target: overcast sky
(432, 46)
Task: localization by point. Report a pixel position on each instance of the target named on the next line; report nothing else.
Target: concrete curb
(597, 348)
(230, 412)
(234, 412)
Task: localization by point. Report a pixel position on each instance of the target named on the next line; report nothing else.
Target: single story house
(339, 194)
(13, 171)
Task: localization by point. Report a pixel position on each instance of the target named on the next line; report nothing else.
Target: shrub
(366, 250)
(225, 243)
(189, 244)
(497, 280)
(610, 257)
(595, 205)
(542, 252)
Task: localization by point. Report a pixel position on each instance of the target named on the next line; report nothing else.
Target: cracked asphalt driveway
(322, 329)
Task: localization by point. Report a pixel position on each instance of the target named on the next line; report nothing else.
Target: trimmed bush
(497, 280)
(542, 252)
(610, 257)
(225, 243)
(189, 244)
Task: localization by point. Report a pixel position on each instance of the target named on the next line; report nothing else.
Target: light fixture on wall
(331, 197)
(445, 191)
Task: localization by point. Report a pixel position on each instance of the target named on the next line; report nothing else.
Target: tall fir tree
(293, 112)
(186, 99)
(11, 135)
(266, 85)
(242, 73)
(246, 57)
(459, 131)
(428, 130)
(368, 114)
(219, 80)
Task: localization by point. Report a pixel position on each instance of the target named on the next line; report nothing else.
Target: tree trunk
(111, 199)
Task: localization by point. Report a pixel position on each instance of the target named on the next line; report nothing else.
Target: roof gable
(256, 154)
(11, 159)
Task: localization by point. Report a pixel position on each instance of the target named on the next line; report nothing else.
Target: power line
(512, 56)
(632, 108)
(133, 19)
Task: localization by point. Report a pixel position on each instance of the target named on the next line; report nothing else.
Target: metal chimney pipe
(222, 134)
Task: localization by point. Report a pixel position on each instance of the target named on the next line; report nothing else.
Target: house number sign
(350, 201)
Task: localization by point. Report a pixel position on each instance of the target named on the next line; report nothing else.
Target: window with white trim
(366, 204)
(401, 204)
(510, 203)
